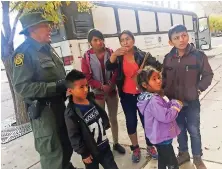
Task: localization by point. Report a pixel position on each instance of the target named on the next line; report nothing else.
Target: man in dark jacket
(186, 74)
(86, 124)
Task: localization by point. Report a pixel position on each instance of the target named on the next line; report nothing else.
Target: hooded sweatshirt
(159, 117)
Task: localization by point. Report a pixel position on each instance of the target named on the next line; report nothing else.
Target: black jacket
(80, 136)
(139, 56)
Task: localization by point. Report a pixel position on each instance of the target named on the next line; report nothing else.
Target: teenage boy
(87, 123)
(102, 82)
(186, 74)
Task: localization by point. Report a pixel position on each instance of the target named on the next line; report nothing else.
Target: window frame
(157, 27)
(115, 17)
(148, 9)
(177, 14)
(158, 22)
(192, 22)
(136, 17)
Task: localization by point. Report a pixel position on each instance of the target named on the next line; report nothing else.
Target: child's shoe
(136, 154)
(151, 151)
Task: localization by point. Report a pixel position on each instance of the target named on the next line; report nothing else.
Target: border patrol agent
(38, 76)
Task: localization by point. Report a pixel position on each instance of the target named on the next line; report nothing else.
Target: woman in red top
(127, 60)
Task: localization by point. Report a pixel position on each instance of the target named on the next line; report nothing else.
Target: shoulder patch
(19, 59)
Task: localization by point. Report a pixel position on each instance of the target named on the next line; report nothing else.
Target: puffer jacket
(159, 117)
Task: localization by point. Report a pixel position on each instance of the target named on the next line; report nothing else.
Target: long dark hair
(128, 33)
(144, 76)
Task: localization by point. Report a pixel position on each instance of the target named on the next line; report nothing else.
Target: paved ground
(216, 41)
(20, 153)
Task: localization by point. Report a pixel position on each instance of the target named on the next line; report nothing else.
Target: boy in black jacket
(86, 123)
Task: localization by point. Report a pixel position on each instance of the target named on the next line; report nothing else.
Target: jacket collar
(38, 46)
(188, 50)
(71, 109)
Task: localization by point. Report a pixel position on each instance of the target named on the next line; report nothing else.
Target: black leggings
(129, 105)
(166, 157)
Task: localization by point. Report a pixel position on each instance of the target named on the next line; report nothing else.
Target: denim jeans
(189, 120)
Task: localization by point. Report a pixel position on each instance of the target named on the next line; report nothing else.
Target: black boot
(120, 149)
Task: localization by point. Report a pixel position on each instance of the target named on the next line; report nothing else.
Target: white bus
(149, 25)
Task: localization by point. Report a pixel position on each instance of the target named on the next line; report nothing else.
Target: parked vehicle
(149, 24)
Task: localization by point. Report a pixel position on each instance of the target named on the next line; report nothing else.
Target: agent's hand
(121, 51)
(88, 160)
(61, 86)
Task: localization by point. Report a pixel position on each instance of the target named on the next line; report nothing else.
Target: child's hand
(176, 108)
(181, 103)
(88, 160)
(177, 105)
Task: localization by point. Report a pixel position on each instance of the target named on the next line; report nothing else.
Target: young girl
(159, 116)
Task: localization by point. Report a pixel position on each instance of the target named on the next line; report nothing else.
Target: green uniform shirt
(36, 69)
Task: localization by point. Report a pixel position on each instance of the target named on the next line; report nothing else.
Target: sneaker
(151, 151)
(198, 162)
(120, 149)
(183, 157)
(173, 167)
(136, 154)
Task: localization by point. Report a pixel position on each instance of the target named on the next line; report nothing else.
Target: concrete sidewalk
(20, 153)
(215, 51)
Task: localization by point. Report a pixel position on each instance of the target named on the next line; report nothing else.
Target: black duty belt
(52, 100)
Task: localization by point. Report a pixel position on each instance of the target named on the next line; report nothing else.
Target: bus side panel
(63, 49)
(78, 48)
(156, 44)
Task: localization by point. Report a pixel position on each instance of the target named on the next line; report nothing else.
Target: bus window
(177, 19)
(164, 21)
(83, 23)
(104, 19)
(127, 20)
(147, 21)
(188, 20)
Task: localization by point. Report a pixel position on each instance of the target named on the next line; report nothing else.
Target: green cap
(31, 19)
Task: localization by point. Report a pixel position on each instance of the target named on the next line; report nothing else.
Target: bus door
(204, 37)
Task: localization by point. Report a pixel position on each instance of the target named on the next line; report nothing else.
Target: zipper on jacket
(179, 57)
